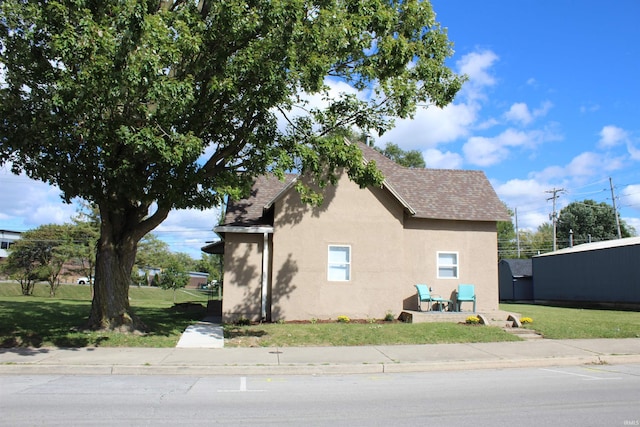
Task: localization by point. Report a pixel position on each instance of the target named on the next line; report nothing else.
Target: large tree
(143, 106)
(589, 221)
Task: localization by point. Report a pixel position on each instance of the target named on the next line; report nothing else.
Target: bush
(472, 320)
(343, 319)
(525, 320)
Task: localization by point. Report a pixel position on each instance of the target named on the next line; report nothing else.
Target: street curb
(328, 369)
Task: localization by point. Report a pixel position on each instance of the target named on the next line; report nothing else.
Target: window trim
(329, 263)
(455, 267)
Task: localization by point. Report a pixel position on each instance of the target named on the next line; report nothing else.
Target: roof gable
(461, 195)
(464, 195)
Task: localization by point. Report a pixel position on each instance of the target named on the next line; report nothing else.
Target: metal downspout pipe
(265, 274)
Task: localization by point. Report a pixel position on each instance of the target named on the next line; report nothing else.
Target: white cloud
(630, 196)
(187, 230)
(520, 113)
(432, 126)
(26, 203)
(476, 66)
(488, 151)
(482, 151)
(633, 151)
(528, 197)
(436, 159)
(584, 165)
(610, 136)
(589, 108)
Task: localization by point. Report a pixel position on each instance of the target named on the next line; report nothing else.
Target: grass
(41, 321)
(574, 323)
(351, 334)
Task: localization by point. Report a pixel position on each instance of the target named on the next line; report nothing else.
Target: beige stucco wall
(477, 247)
(242, 277)
(391, 252)
(370, 221)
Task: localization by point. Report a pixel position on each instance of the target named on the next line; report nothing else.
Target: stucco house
(360, 253)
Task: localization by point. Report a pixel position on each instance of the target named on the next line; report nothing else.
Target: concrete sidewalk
(318, 360)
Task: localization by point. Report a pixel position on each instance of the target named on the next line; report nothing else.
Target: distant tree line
(578, 223)
(46, 253)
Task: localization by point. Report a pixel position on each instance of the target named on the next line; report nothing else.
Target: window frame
(339, 264)
(455, 266)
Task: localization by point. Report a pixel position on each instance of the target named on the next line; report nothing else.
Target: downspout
(265, 274)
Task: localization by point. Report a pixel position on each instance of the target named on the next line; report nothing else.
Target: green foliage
(409, 159)
(507, 245)
(589, 221)
(173, 277)
(39, 255)
(142, 106)
(85, 233)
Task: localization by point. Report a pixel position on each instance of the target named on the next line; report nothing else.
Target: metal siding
(605, 275)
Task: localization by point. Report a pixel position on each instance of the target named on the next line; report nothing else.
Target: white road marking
(243, 388)
(586, 377)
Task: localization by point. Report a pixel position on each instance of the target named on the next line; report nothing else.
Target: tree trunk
(115, 256)
(121, 228)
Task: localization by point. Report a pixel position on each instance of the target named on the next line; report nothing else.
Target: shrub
(525, 320)
(242, 321)
(389, 317)
(343, 319)
(472, 320)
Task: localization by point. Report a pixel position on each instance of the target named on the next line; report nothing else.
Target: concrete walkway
(318, 360)
(205, 334)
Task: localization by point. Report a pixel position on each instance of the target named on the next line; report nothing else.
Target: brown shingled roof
(441, 193)
(250, 211)
(463, 195)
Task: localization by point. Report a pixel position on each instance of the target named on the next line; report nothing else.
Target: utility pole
(517, 233)
(615, 210)
(554, 214)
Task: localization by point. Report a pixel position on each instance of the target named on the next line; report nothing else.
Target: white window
(447, 265)
(339, 266)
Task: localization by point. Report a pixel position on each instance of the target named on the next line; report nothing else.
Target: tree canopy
(406, 158)
(589, 221)
(143, 106)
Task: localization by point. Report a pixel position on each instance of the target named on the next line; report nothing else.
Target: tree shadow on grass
(42, 322)
(61, 323)
(169, 321)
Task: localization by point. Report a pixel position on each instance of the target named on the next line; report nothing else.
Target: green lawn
(570, 323)
(41, 321)
(341, 334)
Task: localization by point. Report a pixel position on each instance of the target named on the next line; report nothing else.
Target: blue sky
(552, 102)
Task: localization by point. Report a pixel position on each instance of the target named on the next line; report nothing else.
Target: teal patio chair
(466, 293)
(424, 295)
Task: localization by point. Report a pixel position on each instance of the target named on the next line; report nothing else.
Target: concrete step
(526, 334)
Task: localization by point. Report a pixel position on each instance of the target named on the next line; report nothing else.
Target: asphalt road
(584, 396)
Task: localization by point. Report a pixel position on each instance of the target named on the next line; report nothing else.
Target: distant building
(515, 277)
(7, 238)
(601, 273)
